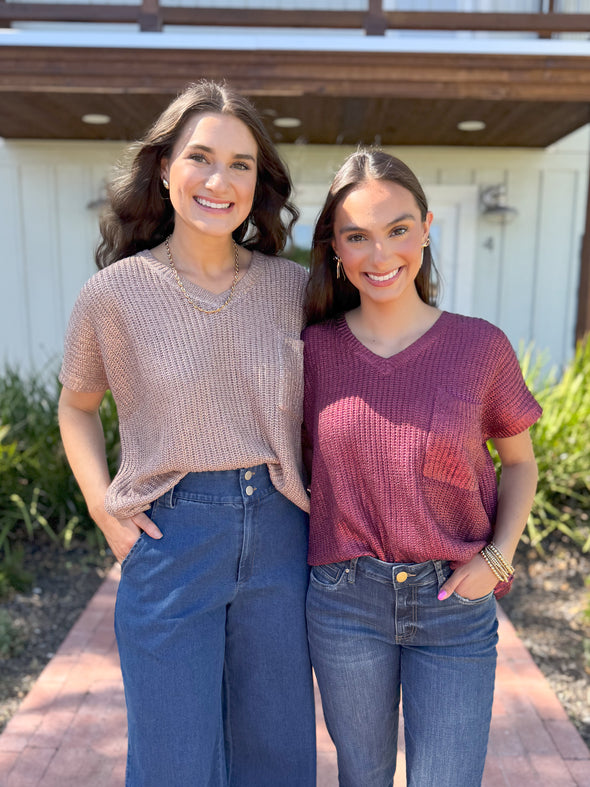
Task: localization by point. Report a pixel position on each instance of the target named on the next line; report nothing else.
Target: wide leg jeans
(210, 624)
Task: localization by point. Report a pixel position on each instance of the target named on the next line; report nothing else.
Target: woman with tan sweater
(193, 323)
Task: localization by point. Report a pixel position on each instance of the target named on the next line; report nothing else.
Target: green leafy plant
(39, 497)
(560, 438)
(298, 254)
(13, 575)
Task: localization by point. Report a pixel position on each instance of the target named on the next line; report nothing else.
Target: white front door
(453, 244)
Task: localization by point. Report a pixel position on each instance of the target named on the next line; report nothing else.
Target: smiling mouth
(384, 276)
(215, 205)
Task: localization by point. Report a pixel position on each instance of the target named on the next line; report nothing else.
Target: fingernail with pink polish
(442, 595)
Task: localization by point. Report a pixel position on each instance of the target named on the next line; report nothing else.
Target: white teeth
(385, 277)
(217, 205)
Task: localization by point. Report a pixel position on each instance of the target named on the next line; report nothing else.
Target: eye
(242, 165)
(397, 231)
(355, 238)
(199, 158)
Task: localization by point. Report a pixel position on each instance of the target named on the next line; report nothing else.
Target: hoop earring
(339, 268)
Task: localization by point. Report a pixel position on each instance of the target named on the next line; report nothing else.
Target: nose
(379, 252)
(216, 178)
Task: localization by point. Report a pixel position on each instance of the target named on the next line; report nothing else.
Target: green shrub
(298, 254)
(13, 576)
(38, 493)
(560, 438)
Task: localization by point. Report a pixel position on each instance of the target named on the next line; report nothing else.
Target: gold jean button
(248, 475)
(402, 576)
(249, 490)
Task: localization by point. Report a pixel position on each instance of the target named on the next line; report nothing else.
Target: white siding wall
(525, 273)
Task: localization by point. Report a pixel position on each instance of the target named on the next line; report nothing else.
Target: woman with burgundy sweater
(411, 538)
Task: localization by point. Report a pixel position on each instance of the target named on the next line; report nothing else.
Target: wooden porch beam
(61, 12)
(260, 72)
(375, 20)
(488, 22)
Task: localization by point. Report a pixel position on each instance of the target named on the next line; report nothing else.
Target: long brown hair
(139, 214)
(328, 296)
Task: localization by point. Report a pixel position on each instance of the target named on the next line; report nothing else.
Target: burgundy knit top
(400, 468)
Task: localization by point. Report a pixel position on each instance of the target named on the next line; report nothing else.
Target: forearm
(516, 491)
(515, 497)
(83, 441)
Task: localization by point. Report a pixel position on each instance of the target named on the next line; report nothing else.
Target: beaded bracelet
(498, 564)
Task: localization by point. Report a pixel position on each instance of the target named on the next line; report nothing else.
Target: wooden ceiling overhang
(346, 97)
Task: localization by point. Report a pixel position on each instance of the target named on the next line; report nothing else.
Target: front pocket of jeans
(471, 601)
(133, 552)
(453, 439)
(329, 575)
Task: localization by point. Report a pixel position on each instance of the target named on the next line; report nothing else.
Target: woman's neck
(387, 329)
(206, 260)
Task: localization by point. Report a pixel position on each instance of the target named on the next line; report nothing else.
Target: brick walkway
(70, 729)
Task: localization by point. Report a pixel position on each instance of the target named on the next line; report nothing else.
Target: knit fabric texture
(400, 469)
(194, 391)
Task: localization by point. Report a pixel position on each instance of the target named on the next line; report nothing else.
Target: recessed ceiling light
(96, 119)
(471, 125)
(287, 122)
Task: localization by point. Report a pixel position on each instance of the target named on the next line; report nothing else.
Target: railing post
(150, 17)
(4, 22)
(549, 10)
(375, 22)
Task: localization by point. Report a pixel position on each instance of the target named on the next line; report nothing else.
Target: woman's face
(378, 234)
(212, 174)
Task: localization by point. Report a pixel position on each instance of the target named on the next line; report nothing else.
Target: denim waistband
(407, 574)
(222, 486)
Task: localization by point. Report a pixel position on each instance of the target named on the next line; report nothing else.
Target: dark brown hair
(327, 296)
(140, 215)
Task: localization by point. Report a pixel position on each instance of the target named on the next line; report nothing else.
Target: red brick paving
(70, 729)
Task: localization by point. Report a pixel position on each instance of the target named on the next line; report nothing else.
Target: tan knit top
(194, 391)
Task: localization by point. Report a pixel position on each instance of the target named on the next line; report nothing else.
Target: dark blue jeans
(376, 629)
(210, 623)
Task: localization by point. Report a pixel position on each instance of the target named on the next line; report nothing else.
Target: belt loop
(168, 498)
(438, 567)
(351, 570)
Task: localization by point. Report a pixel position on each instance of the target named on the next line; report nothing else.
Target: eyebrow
(207, 149)
(354, 228)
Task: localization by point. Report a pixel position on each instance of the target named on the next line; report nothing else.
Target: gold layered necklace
(185, 293)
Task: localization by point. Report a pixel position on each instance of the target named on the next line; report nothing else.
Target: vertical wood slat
(375, 22)
(150, 16)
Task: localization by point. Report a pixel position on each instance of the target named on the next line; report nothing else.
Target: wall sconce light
(100, 201)
(493, 207)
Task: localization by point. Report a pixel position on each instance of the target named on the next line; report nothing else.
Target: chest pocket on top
(453, 442)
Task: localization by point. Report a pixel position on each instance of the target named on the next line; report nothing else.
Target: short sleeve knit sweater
(194, 391)
(400, 466)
